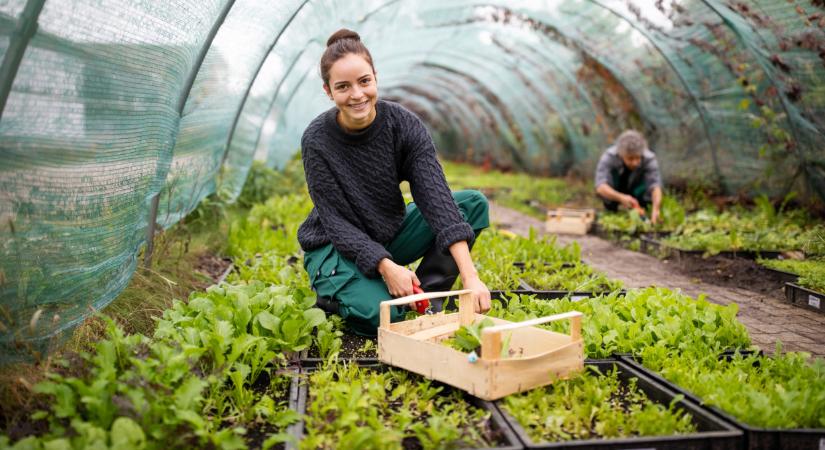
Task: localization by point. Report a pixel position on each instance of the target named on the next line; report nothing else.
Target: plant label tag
(577, 298)
(815, 302)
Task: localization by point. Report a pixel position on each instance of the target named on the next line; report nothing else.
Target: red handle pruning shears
(422, 306)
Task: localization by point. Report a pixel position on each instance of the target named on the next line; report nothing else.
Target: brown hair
(340, 44)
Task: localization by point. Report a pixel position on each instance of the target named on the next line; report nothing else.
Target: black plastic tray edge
(793, 289)
(728, 432)
(765, 438)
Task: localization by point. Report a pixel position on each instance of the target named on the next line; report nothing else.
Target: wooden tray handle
(491, 336)
(385, 305)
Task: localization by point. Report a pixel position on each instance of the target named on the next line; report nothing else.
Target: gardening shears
(421, 306)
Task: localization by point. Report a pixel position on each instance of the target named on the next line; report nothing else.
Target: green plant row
(525, 193)
(780, 391)
(671, 216)
(191, 384)
(811, 272)
(763, 228)
(548, 266)
(652, 317)
(594, 405)
(350, 407)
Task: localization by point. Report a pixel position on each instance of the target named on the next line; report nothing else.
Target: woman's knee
(475, 206)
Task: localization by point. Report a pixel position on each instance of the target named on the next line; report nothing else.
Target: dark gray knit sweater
(353, 180)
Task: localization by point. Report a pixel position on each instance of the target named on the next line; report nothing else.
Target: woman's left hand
(481, 295)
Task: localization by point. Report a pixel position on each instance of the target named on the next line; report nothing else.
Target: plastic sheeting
(110, 108)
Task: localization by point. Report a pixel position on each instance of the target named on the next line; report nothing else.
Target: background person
(359, 231)
(628, 175)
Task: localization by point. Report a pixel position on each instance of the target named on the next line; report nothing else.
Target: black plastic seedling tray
(714, 433)
(496, 419)
(755, 438)
(566, 265)
(450, 302)
(805, 298)
(785, 277)
(655, 247)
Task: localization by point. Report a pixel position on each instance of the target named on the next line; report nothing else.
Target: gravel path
(766, 315)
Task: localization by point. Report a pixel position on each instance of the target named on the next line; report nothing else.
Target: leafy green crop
(468, 338)
(520, 191)
(272, 226)
(494, 254)
(761, 229)
(353, 408)
(263, 183)
(782, 391)
(274, 268)
(579, 278)
(671, 215)
(652, 317)
(811, 272)
(594, 405)
(284, 317)
(133, 390)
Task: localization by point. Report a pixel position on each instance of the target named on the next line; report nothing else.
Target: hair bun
(343, 33)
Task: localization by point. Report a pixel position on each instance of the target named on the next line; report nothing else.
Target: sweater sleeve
(327, 197)
(429, 186)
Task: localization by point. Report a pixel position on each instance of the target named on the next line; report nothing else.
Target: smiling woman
(355, 155)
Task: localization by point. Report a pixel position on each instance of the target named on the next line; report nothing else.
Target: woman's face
(354, 89)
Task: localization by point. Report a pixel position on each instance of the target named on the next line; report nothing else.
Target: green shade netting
(111, 107)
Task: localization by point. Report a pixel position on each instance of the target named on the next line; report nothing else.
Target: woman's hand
(399, 279)
(481, 295)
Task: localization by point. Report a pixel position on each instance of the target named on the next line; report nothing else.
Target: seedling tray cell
(805, 298)
(713, 433)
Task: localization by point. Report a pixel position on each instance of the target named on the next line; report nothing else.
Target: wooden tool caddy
(569, 221)
(537, 356)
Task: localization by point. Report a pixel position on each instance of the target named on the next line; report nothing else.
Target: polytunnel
(119, 117)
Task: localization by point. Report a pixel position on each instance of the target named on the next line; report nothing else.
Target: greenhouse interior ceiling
(122, 116)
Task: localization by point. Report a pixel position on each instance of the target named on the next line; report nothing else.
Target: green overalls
(335, 277)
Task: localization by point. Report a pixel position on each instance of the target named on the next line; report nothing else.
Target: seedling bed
(495, 427)
(712, 432)
(655, 247)
(805, 298)
(351, 348)
(553, 294)
(755, 438)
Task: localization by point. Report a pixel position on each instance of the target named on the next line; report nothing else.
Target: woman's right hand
(399, 279)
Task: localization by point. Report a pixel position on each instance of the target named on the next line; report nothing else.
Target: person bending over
(360, 235)
(628, 175)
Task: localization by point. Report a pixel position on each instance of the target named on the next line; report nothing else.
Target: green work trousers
(357, 296)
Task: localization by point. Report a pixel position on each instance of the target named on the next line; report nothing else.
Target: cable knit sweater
(353, 180)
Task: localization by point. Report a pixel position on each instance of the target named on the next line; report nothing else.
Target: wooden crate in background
(569, 221)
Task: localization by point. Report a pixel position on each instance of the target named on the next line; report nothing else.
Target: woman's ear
(326, 89)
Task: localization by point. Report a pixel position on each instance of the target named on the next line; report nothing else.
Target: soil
(350, 346)
(212, 266)
(731, 272)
